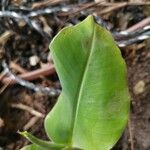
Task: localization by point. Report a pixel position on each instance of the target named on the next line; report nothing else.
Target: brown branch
(125, 3)
(28, 109)
(131, 133)
(79, 8)
(5, 36)
(139, 25)
(16, 67)
(4, 87)
(112, 8)
(109, 7)
(46, 3)
(30, 123)
(33, 75)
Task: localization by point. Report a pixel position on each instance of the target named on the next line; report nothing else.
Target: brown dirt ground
(138, 64)
(137, 133)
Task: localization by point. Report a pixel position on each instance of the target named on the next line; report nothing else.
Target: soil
(137, 57)
(138, 129)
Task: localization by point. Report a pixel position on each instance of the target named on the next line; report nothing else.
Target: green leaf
(92, 110)
(40, 144)
(35, 147)
(32, 147)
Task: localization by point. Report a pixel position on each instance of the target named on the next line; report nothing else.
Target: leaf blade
(85, 48)
(62, 67)
(32, 147)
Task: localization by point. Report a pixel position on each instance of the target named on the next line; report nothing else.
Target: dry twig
(112, 8)
(5, 36)
(30, 123)
(28, 109)
(33, 75)
(139, 25)
(16, 67)
(47, 90)
(46, 3)
(3, 88)
(131, 133)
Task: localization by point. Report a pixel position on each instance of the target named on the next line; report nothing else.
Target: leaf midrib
(79, 93)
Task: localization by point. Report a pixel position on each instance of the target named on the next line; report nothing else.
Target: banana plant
(92, 109)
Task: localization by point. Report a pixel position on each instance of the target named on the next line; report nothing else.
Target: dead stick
(126, 3)
(130, 133)
(46, 3)
(31, 122)
(139, 25)
(5, 36)
(28, 109)
(81, 8)
(112, 8)
(33, 75)
(4, 87)
(17, 67)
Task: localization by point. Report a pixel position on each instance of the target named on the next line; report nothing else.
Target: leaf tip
(89, 18)
(23, 133)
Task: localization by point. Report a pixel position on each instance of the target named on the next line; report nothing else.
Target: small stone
(1, 122)
(21, 23)
(1, 148)
(34, 60)
(139, 87)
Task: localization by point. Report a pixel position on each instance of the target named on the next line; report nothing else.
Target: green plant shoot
(92, 109)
